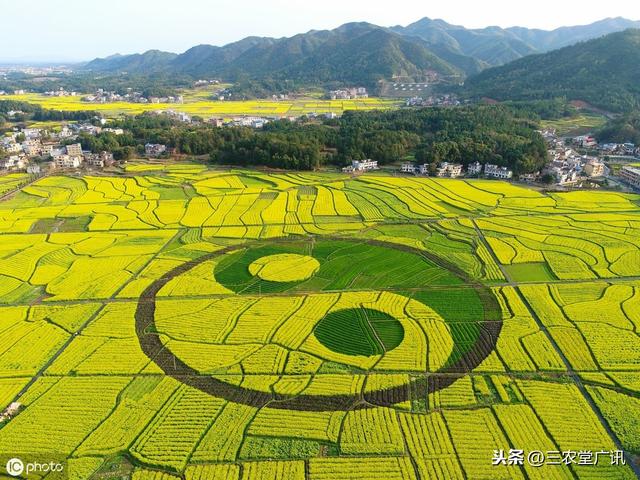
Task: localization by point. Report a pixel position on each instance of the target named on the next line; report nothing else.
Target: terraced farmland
(179, 322)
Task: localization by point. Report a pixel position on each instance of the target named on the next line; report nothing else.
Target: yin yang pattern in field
(348, 306)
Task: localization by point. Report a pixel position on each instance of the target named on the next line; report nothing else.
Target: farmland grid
(519, 365)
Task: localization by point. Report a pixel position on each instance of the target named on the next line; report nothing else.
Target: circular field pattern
(359, 331)
(284, 267)
(319, 324)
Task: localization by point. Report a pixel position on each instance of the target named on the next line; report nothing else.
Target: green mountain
(493, 46)
(489, 46)
(150, 61)
(603, 72)
(355, 52)
(358, 52)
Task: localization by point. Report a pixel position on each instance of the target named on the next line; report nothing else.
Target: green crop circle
(359, 331)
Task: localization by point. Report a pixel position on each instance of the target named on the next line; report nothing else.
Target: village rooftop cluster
(105, 96)
(31, 148)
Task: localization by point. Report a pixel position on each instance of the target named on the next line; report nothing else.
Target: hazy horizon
(68, 31)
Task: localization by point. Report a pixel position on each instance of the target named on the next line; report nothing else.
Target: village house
(74, 150)
(631, 175)
(46, 149)
(564, 176)
(494, 171)
(154, 149)
(408, 167)
(585, 141)
(12, 147)
(115, 131)
(67, 161)
(594, 168)
(364, 165)
(180, 116)
(99, 160)
(348, 93)
(474, 168)
(65, 132)
(31, 148)
(529, 177)
(361, 166)
(31, 133)
(450, 170)
(14, 162)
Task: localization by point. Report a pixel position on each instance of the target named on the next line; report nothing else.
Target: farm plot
(178, 322)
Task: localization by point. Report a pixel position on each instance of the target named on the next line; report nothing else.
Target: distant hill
(355, 52)
(488, 46)
(359, 53)
(604, 72)
(151, 61)
(495, 46)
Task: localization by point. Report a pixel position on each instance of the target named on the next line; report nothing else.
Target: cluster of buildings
(203, 82)
(61, 92)
(455, 170)
(410, 87)
(348, 93)
(28, 148)
(72, 156)
(567, 165)
(253, 122)
(175, 115)
(223, 94)
(446, 100)
(624, 149)
(359, 166)
(15, 92)
(590, 142)
(105, 96)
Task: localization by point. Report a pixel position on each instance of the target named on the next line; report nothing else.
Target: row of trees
(495, 134)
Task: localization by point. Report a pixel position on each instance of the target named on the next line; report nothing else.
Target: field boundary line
(569, 369)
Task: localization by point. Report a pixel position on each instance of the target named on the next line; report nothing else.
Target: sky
(76, 30)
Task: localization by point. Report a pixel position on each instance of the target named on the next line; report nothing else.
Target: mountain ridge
(360, 52)
(602, 71)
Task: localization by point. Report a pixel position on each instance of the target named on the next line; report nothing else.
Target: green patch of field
(530, 272)
(359, 331)
(260, 448)
(576, 125)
